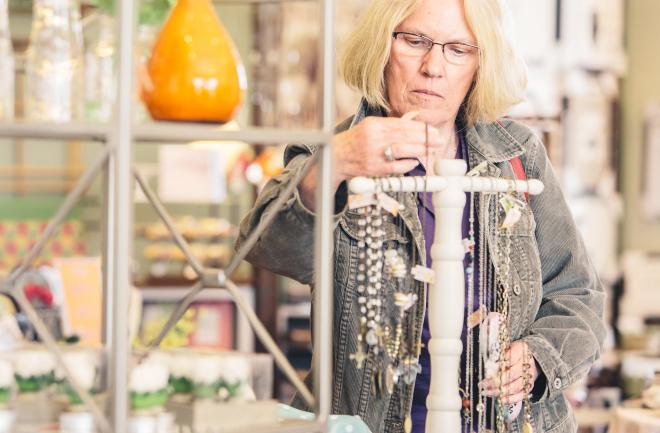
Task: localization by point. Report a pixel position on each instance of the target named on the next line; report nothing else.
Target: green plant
(151, 12)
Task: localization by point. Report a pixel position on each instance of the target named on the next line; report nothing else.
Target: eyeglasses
(456, 53)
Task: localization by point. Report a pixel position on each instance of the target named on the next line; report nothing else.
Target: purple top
(427, 217)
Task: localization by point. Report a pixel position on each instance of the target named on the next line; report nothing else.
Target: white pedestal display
(447, 296)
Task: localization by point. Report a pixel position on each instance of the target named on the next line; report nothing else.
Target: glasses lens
(414, 44)
(459, 54)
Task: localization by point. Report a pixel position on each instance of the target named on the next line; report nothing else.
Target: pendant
(409, 370)
(395, 266)
(512, 411)
(527, 427)
(372, 338)
(423, 274)
(389, 379)
(359, 357)
(404, 301)
(377, 383)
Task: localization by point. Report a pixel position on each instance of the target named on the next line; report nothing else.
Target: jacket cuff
(341, 204)
(553, 376)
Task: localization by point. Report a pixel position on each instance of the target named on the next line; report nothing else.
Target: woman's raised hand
(383, 146)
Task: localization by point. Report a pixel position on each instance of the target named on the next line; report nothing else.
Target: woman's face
(426, 82)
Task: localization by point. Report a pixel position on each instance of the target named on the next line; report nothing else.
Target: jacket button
(516, 289)
(557, 383)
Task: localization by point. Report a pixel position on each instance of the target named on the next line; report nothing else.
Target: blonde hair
(501, 76)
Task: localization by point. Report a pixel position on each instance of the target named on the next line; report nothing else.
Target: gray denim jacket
(556, 294)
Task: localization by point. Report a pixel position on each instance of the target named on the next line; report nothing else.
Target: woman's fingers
(403, 151)
(512, 389)
(515, 398)
(402, 166)
(413, 131)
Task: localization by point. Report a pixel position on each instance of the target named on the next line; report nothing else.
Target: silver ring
(389, 155)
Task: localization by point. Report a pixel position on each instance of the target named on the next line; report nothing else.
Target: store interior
(593, 97)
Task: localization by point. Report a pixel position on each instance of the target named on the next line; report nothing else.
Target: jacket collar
(490, 140)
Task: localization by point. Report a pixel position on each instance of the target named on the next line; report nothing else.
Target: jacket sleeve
(286, 246)
(567, 334)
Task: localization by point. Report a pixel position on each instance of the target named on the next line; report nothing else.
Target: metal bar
(108, 255)
(169, 132)
(324, 246)
(48, 340)
(167, 220)
(54, 131)
(83, 183)
(177, 314)
(122, 138)
(267, 340)
(73, 171)
(361, 185)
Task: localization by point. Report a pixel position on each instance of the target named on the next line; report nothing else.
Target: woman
(436, 75)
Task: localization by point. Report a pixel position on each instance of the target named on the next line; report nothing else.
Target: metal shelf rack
(115, 164)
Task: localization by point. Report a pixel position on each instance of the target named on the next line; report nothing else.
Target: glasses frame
(442, 45)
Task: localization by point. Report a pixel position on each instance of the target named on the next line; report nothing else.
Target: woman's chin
(432, 116)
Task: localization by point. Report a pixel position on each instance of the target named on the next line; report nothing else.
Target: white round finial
(451, 167)
(535, 186)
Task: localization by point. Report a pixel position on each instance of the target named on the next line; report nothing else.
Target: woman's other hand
(512, 381)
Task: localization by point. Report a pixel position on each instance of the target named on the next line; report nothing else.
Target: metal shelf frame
(159, 133)
(115, 164)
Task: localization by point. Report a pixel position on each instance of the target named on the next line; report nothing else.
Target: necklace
(473, 320)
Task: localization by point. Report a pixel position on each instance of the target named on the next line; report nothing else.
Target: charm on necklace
(423, 274)
(395, 266)
(389, 379)
(372, 338)
(409, 369)
(468, 244)
(404, 301)
(359, 357)
(511, 207)
(512, 411)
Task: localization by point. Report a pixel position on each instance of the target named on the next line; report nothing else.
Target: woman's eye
(415, 42)
(458, 51)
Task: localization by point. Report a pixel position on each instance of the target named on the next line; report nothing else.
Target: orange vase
(195, 73)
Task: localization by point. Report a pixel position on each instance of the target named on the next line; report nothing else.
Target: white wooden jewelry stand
(447, 297)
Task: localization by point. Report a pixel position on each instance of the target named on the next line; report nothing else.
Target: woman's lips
(425, 92)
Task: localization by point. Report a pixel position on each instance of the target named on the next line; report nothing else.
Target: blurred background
(593, 96)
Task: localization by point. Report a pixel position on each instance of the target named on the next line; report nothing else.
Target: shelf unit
(115, 165)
